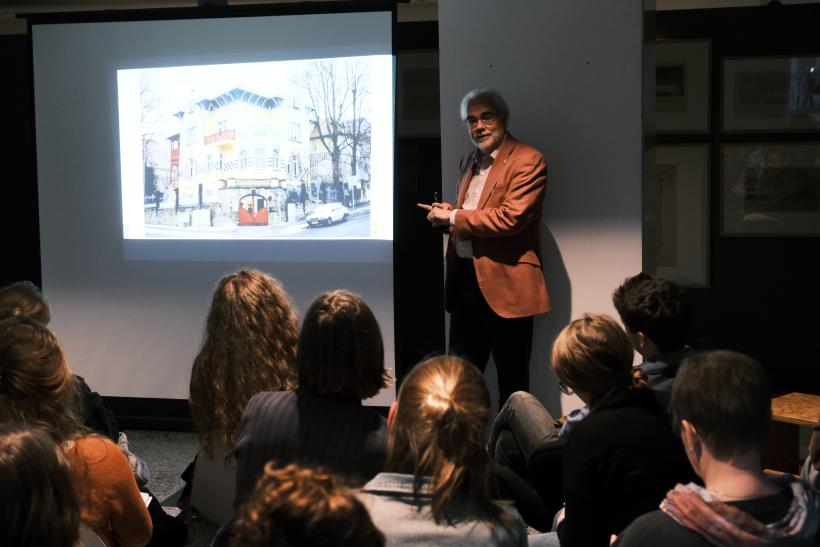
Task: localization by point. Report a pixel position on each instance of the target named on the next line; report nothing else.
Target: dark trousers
(476, 332)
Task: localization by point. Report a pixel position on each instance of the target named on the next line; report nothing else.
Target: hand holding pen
(438, 213)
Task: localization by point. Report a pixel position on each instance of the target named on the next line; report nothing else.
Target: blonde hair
(593, 354)
(36, 384)
(438, 432)
(249, 347)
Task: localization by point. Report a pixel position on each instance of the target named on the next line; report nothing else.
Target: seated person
(249, 347)
(37, 387)
(720, 402)
(24, 299)
(620, 460)
(340, 362)
(656, 314)
(435, 490)
(295, 506)
(38, 505)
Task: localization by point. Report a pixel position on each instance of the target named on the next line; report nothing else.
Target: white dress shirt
(464, 248)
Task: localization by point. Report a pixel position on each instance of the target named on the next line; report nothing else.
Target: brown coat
(504, 229)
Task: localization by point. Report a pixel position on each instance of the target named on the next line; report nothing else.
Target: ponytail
(438, 434)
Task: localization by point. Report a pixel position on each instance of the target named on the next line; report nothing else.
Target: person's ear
(691, 439)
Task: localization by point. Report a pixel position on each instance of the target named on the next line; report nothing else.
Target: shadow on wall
(543, 383)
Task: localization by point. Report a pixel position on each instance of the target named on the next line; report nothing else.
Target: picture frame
(417, 94)
(682, 77)
(770, 94)
(676, 213)
(770, 189)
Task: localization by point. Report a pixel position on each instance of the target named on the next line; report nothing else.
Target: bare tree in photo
(359, 130)
(149, 119)
(338, 94)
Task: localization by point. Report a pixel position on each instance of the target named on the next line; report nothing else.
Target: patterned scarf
(724, 525)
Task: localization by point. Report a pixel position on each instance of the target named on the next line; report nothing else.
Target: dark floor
(167, 454)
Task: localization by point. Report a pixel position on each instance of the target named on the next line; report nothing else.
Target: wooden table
(789, 413)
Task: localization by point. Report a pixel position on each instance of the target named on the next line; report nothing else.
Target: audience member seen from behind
(621, 459)
(37, 388)
(435, 489)
(24, 299)
(295, 506)
(249, 347)
(323, 423)
(656, 314)
(38, 505)
(720, 402)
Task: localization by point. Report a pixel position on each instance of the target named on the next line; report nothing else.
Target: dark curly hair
(249, 347)
(656, 307)
(295, 506)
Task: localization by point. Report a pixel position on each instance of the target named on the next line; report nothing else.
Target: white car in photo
(327, 214)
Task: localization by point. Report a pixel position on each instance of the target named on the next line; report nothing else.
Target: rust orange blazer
(504, 229)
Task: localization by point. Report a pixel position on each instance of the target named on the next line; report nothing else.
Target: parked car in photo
(327, 214)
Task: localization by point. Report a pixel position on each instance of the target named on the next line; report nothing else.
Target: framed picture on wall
(417, 96)
(770, 189)
(682, 86)
(771, 94)
(676, 213)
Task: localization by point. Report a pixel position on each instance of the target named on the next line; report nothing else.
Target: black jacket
(619, 462)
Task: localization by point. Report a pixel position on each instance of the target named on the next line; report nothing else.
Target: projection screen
(173, 151)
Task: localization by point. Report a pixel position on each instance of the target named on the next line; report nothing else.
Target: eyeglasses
(487, 119)
(564, 389)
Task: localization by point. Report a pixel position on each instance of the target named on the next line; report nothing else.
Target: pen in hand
(442, 229)
(437, 204)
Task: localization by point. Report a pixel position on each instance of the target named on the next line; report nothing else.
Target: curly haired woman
(249, 347)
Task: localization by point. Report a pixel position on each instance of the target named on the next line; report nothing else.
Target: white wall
(571, 74)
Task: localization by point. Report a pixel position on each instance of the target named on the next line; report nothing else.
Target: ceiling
(412, 10)
(11, 23)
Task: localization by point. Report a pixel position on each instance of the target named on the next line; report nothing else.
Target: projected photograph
(255, 150)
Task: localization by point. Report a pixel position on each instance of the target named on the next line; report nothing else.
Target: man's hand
(438, 214)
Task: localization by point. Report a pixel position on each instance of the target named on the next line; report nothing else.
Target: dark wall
(18, 221)
(765, 291)
(419, 269)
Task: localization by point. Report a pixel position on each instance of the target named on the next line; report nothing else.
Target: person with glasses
(619, 461)
(495, 283)
(656, 314)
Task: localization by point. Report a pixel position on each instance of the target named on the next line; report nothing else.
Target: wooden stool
(789, 413)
